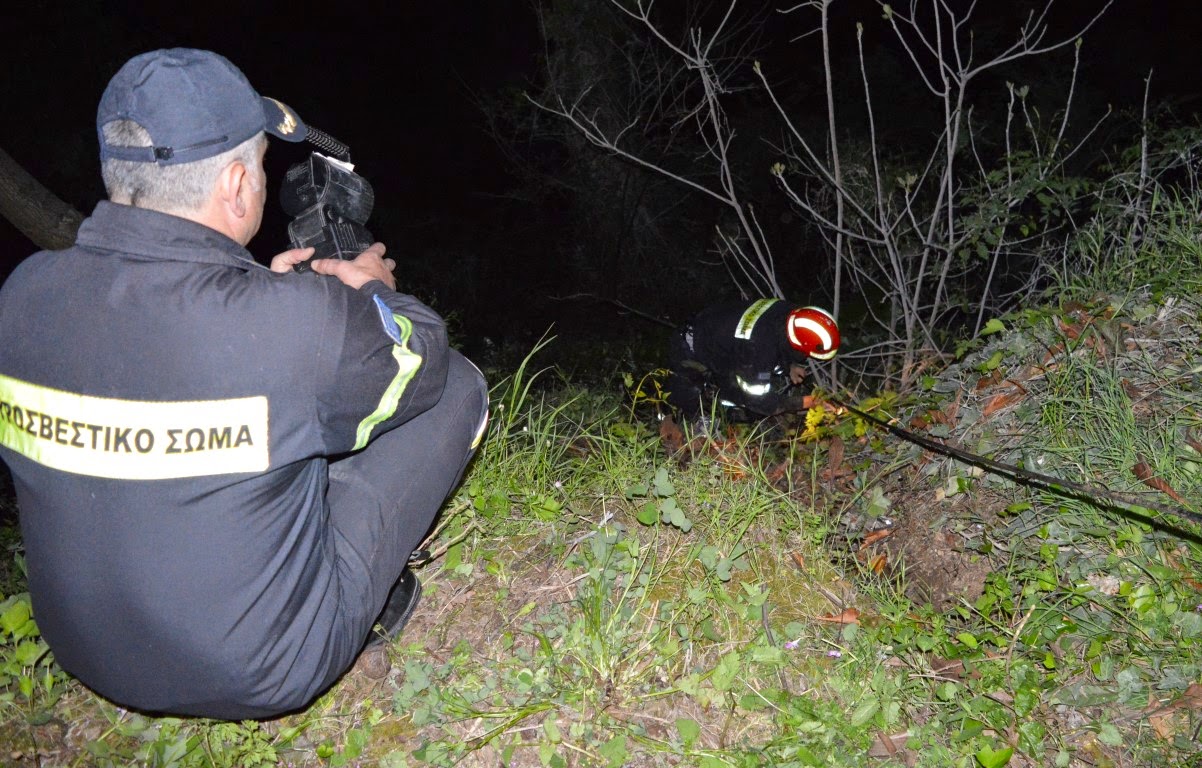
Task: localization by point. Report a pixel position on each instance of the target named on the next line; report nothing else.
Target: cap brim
(281, 121)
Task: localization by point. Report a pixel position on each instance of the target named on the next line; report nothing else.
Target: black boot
(399, 606)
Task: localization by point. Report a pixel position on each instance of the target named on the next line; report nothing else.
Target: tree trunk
(34, 210)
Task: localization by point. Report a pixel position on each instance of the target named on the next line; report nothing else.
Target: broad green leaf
(648, 514)
(615, 751)
(988, 758)
(27, 652)
(15, 617)
(865, 712)
(663, 486)
(689, 731)
(993, 326)
(726, 671)
(1109, 735)
(993, 362)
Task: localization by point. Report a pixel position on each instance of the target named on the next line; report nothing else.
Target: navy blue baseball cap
(195, 104)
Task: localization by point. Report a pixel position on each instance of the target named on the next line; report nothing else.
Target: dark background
(401, 84)
(392, 80)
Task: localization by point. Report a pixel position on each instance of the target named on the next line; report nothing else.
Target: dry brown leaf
(939, 417)
(1163, 725)
(1190, 699)
(1192, 696)
(1071, 330)
(993, 379)
(942, 666)
(874, 536)
(734, 462)
(734, 469)
(952, 411)
(849, 616)
(1143, 473)
(582, 447)
(834, 454)
(834, 461)
(670, 435)
(1132, 391)
(888, 745)
(1000, 401)
(827, 476)
(775, 473)
(1166, 720)
(1016, 381)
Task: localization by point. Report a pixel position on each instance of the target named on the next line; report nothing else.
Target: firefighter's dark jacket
(739, 348)
(167, 407)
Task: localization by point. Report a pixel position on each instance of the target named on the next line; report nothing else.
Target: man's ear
(233, 187)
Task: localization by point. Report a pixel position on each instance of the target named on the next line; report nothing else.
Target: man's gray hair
(176, 189)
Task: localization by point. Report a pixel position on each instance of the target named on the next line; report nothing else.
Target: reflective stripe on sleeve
(407, 364)
(480, 430)
(133, 439)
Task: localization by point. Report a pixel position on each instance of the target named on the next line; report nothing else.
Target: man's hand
(797, 373)
(284, 262)
(367, 266)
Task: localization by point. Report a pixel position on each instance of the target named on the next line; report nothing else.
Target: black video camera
(329, 203)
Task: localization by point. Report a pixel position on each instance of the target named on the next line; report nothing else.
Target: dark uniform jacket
(737, 351)
(166, 408)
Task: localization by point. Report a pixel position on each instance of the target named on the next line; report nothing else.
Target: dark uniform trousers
(384, 499)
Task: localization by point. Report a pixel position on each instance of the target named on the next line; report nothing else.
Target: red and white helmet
(812, 331)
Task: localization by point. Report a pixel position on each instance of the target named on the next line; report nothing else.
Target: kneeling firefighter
(740, 359)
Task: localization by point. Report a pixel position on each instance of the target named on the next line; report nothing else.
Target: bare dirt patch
(930, 547)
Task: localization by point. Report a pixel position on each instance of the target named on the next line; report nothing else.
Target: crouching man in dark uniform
(740, 359)
(221, 468)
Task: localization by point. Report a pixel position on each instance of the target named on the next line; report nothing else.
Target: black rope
(1087, 493)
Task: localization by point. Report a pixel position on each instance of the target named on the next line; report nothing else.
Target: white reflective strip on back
(750, 316)
(133, 439)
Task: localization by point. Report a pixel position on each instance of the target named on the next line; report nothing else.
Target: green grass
(596, 602)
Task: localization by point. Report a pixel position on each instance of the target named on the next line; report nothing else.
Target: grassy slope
(838, 598)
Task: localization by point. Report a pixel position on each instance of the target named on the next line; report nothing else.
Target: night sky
(395, 81)
(398, 82)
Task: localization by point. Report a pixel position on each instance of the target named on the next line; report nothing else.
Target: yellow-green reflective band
(133, 439)
(748, 320)
(407, 364)
(480, 432)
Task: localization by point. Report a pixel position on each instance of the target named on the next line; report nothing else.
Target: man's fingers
(326, 266)
(378, 249)
(354, 273)
(284, 262)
